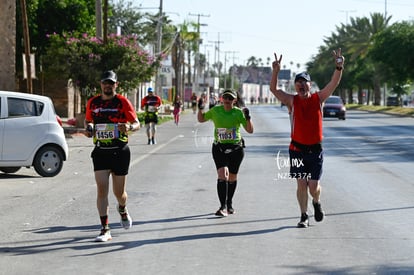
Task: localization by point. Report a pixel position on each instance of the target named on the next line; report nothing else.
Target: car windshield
(334, 100)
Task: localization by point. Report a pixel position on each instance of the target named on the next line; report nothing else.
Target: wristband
(339, 68)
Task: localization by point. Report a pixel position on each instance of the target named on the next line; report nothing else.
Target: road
(49, 224)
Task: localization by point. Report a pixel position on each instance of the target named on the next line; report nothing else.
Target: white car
(31, 134)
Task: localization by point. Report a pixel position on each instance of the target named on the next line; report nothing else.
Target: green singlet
(226, 124)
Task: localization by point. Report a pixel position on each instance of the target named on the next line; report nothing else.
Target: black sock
(104, 222)
(222, 192)
(121, 209)
(230, 192)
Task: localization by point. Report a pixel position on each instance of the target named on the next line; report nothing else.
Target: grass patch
(161, 118)
(406, 111)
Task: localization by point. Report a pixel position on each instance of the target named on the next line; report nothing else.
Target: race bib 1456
(106, 131)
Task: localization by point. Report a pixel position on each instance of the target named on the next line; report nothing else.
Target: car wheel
(9, 170)
(48, 161)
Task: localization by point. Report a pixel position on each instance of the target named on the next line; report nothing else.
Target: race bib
(152, 109)
(226, 133)
(106, 131)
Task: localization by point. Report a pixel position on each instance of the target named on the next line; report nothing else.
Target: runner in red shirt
(151, 103)
(305, 150)
(109, 118)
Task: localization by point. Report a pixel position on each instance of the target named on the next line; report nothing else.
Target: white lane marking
(157, 148)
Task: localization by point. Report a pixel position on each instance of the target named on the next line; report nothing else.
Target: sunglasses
(301, 81)
(228, 97)
(108, 82)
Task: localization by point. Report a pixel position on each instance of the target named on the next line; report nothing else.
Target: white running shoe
(104, 236)
(221, 212)
(126, 221)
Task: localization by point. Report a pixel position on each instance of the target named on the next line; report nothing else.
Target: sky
(260, 28)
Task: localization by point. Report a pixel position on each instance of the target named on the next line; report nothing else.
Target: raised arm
(285, 98)
(336, 77)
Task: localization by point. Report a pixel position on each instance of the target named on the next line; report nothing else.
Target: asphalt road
(49, 224)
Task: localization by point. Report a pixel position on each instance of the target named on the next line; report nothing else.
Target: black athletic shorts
(306, 165)
(151, 117)
(117, 160)
(228, 155)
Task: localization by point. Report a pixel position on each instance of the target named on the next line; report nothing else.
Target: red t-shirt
(307, 120)
(151, 101)
(115, 110)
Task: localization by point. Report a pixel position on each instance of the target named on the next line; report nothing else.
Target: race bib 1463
(226, 133)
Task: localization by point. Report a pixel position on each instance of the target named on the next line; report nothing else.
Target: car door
(23, 129)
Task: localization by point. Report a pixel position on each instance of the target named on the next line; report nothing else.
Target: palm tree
(359, 38)
(184, 43)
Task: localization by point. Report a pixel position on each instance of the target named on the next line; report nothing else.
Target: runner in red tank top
(305, 150)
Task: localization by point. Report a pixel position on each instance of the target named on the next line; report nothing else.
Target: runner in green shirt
(228, 145)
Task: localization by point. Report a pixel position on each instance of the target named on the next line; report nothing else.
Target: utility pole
(217, 55)
(158, 49)
(225, 69)
(105, 22)
(26, 38)
(346, 14)
(98, 15)
(196, 74)
(232, 70)
(206, 70)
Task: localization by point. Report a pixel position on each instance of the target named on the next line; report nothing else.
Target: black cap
(109, 75)
(230, 93)
(303, 75)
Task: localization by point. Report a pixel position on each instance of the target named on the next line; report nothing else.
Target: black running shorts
(117, 160)
(228, 155)
(306, 165)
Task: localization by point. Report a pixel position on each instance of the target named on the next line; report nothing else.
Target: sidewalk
(70, 129)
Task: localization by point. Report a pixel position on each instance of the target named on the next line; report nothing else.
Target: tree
(355, 40)
(83, 58)
(253, 61)
(127, 19)
(45, 18)
(189, 40)
(359, 41)
(393, 48)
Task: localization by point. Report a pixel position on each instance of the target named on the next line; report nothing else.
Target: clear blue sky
(261, 27)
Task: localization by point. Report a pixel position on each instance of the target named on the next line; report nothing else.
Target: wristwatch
(339, 61)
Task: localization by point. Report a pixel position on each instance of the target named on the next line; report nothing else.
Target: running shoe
(319, 214)
(104, 236)
(126, 221)
(230, 209)
(304, 221)
(221, 212)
